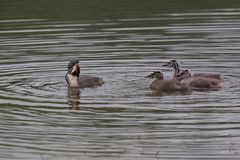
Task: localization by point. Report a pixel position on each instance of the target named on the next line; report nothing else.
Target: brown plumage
(174, 64)
(166, 85)
(208, 75)
(199, 82)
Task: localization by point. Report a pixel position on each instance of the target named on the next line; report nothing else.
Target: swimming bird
(173, 64)
(166, 85)
(198, 82)
(183, 75)
(74, 79)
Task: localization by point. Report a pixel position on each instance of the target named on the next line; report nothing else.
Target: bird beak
(149, 76)
(165, 65)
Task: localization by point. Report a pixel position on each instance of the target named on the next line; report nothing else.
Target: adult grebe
(74, 79)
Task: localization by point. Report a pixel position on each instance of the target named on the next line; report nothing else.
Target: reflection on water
(73, 98)
(158, 93)
(123, 119)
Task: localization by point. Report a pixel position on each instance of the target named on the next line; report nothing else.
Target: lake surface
(122, 42)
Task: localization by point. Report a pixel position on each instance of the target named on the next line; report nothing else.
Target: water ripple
(123, 119)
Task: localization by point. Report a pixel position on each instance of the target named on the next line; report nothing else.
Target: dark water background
(121, 41)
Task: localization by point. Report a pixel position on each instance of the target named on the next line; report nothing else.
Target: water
(41, 119)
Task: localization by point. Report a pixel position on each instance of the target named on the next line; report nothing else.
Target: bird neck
(72, 80)
(176, 68)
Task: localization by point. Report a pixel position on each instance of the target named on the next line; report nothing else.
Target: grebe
(166, 85)
(74, 79)
(173, 64)
(198, 82)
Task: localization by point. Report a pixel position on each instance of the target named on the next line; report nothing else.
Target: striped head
(185, 74)
(156, 74)
(172, 64)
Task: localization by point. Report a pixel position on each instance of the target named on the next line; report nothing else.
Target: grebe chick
(198, 82)
(183, 75)
(173, 64)
(74, 79)
(166, 85)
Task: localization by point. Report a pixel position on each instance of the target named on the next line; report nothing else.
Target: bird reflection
(73, 98)
(170, 93)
